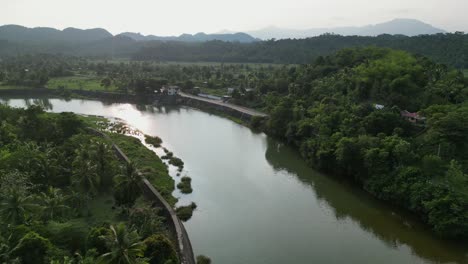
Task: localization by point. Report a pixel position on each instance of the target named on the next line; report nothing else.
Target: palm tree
(125, 247)
(53, 203)
(75, 199)
(85, 175)
(6, 250)
(16, 206)
(128, 184)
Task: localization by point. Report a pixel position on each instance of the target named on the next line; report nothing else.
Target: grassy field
(6, 87)
(148, 163)
(79, 83)
(465, 71)
(217, 92)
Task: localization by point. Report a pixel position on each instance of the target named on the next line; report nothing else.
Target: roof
(405, 113)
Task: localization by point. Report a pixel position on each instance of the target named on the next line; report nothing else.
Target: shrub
(96, 239)
(185, 212)
(185, 185)
(160, 250)
(201, 259)
(154, 141)
(70, 235)
(146, 220)
(32, 248)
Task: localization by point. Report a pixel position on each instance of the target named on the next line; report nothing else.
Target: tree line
(449, 48)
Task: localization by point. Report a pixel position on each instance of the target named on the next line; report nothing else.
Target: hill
(407, 27)
(199, 37)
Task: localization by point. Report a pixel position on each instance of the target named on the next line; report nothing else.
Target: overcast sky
(173, 17)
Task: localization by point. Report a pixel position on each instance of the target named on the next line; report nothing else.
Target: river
(258, 202)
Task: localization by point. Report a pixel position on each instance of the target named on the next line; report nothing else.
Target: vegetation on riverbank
(185, 185)
(346, 115)
(148, 163)
(63, 194)
(185, 212)
(153, 141)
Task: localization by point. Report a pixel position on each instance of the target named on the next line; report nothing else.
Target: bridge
(242, 111)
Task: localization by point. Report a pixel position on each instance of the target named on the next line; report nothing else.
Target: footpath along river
(258, 202)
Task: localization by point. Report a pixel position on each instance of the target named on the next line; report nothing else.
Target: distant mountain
(199, 37)
(41, 35)
(408, 27)
(44, 35)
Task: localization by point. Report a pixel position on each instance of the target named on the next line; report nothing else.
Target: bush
(185, 185)
(70, 235)
(176, 162)
(185, 212)
(32, 249)
(160, 250)
(154, 141)
(96, 239)
(146, 220)
(201, 259)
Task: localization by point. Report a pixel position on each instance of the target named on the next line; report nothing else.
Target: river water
(258, 202)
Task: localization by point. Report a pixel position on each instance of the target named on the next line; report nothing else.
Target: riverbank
(157, 185)
(378, 196)
(273, 184)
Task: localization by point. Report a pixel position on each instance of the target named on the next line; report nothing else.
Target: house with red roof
(412, 117)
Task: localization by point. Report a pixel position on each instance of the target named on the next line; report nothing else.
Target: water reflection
(42, 102)
(389, 224)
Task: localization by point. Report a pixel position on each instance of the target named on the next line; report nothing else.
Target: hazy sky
(173, 17)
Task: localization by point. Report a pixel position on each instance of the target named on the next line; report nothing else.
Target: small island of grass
(185, 185)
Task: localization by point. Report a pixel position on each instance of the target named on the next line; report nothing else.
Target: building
(412, 117)
(379, 106)
(170, 90)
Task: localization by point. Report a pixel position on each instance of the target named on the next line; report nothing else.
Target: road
(241, 109)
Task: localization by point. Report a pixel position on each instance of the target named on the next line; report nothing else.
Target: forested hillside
(450, 49)
(346, 114)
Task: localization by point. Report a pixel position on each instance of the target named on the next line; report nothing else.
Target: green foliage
(185, 212)
(32, 249)
(147, 220)
(154, 141)
(96, 239)
(147, 163)
(185, 185)
(330, 113)
(69, 236)
(124, 245)
(201, 259)
(160, 250)
(50, 170)
(127, 186)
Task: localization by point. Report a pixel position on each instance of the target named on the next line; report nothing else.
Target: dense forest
(450, 49)
(66, 198)
(346, 114)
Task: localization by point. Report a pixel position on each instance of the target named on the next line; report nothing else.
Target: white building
(171, 90)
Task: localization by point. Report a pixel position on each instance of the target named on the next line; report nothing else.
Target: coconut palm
(16, 207)
(128, 185)
(53, 203)
(125, 247)
(85, 176)
(6, 251)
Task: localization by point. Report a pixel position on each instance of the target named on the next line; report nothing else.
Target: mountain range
(408, 27)
(74, 36)
(199, 37)
(41, 35)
